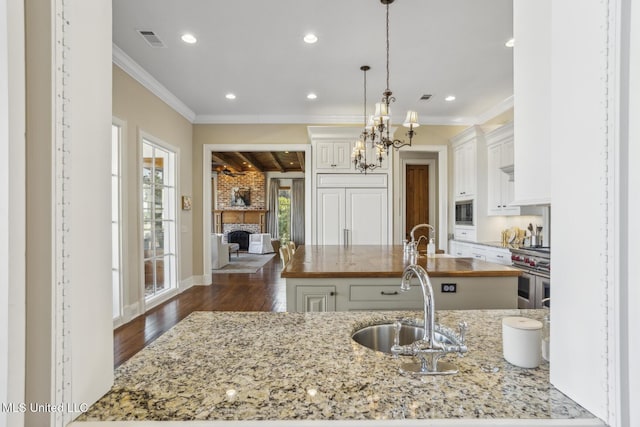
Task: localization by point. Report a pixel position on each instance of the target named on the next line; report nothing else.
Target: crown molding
(131, 67)
(275, 119)
(494, 111)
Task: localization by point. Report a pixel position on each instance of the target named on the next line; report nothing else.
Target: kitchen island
(305, 366)
(339, 278)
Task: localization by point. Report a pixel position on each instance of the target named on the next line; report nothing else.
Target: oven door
(526, 290)
(543, 291)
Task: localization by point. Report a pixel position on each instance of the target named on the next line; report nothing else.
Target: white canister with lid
(521, 339)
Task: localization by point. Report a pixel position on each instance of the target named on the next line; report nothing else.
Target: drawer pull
(389, 293)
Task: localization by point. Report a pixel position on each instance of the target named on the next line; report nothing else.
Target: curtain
(272, 208)
(297, 211)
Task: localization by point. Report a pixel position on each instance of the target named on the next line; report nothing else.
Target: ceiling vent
(425, 97)
(151, 38)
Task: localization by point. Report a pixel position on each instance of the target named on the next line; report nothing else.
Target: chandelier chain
(387, 46)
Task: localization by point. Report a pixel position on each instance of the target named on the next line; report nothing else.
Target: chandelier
(359, 153)
(380, 122)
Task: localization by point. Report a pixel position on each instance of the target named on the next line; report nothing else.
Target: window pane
(149, 277)
(159, 218)
(115, 156)
(160, 275)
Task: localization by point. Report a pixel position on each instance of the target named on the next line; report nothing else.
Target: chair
(219, 252)
(292, 247)
(284, 255)
(260, 243)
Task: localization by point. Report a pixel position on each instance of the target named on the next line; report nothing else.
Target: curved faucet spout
(427, 292)
(413, 230)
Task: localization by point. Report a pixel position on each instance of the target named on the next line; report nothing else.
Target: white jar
(521, 338)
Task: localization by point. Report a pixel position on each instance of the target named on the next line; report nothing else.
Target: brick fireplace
(245, 213)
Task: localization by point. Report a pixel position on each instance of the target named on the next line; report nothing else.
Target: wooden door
(417, 200)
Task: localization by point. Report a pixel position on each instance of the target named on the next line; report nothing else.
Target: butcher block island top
(382, 261)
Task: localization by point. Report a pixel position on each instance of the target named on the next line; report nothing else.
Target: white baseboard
(134, 310)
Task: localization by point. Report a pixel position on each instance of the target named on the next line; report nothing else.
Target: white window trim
(147, 304)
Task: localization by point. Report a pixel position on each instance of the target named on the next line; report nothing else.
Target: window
(284, 214)
(159, 204)
(116, 225)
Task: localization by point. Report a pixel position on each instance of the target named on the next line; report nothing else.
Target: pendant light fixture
(381, 119)
(359, 153)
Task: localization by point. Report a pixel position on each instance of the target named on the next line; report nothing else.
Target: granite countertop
(315, 261)
(292, 366)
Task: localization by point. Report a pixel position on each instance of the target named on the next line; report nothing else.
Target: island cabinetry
(500, 172)
(315, 298)
(353, 294)
(349, 208)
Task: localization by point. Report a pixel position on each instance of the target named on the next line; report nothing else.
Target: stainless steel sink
(380, 337)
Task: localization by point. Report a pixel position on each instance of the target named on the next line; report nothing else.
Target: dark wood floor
(262, 291)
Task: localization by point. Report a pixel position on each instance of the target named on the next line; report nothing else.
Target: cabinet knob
(332, 293)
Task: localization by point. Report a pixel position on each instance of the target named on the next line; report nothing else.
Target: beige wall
(142, 111)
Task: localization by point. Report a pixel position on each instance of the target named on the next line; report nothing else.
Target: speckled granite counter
(275, 366)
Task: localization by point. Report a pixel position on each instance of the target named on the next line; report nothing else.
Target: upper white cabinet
(464, 168)
(532, 101)
(500, 171)
(333, 155)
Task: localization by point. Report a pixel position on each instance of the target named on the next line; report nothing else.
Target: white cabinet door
(315, 298)
(331, 216)
(366, 216)
(494, 183)
(464, 168)
(334, 155)
(356, 214)
(500, 186)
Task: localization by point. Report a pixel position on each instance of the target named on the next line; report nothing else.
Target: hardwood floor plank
(262, 291)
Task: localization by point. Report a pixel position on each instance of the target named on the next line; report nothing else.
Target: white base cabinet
(482, 252)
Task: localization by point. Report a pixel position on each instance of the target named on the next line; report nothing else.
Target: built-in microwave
(464, 212)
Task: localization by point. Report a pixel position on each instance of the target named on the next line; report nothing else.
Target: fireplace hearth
(241, 237)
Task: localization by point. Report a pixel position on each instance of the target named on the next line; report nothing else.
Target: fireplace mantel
(228, 216)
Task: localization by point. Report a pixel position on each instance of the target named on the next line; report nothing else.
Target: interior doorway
(417, 201)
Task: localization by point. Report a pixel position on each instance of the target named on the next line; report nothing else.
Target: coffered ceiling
(255, 50)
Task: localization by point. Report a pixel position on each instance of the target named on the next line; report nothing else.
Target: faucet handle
(397, 325)
(463, 327)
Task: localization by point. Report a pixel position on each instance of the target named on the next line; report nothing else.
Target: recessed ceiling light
(450, 98)
(310, 38)
(189, 38)
(230, 96)
(312, 96)
(510, 43)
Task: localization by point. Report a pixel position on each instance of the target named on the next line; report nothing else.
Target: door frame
(399, 189)
(207, 149)
(432, 163)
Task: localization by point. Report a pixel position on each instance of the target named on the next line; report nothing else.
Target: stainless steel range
(534, 285)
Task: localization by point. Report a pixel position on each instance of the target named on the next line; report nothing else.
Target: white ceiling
(254, 48)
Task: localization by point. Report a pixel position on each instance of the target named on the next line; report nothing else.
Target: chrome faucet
(413, 230)
(427, 295)
(431, 347)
